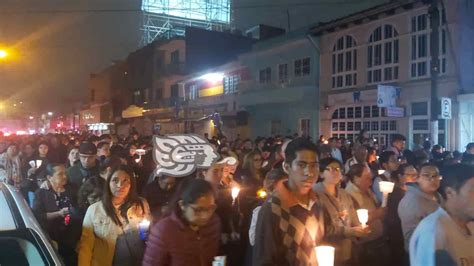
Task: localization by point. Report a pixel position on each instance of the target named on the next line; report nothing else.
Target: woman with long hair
(341, 216)
(252, 174)
(110, 229)
(189, 235)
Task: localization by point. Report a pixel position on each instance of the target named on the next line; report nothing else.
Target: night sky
(59, 43)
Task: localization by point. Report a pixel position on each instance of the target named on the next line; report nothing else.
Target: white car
(22, 241)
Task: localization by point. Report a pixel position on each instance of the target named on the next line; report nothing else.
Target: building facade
(387, 45)
(281, 97)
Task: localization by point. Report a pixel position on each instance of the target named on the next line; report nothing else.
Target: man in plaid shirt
(290, 223)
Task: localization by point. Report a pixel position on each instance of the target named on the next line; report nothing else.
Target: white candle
(363, 215)
(325, 255)
(386, 188)
(145, 224)
(235, 193)
(140, 152)
(143, 227)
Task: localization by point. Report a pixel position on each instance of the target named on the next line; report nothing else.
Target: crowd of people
(102, 203)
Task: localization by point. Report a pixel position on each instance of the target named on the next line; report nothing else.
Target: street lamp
(3, 54)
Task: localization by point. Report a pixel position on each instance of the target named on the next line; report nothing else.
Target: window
(350, 126)
(358, 126)
(384, 125)
(342, 126)
(174, 91)
(305, 127)
(375, 125)
(366, 111)
(393, 125)
(302, 67)
(367, 125)
(275, 127)
(283, 73)
(350, 112)
(335, 115)
(344, 63)
(146, 95)
(419, 108)
(358, 112)
(335, 126)
(420, 124)
(137, 98)
(383, 55)
(231, 84)
(175, 57)
(265, 75)
(420, 53)
(193, 92)
(375, 111)
(342, 113)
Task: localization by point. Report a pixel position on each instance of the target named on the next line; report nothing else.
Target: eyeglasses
(333, 169)
(432, 178)
(202, 210)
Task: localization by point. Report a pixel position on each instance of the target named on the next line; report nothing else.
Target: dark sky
(59, 43)
(248, 13)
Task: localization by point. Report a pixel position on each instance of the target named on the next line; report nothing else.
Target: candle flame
(235, 192)
(262, 193)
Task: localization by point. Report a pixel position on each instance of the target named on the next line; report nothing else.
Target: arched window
(382, 61)
(344, 63)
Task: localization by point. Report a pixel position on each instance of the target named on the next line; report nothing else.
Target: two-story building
(390, 45)
(281, 98)
(159, 68)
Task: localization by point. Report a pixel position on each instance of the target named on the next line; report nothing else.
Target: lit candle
(140, 152)
(143, 227)
(235, 194)
(363, 215)
(261, 193)
(38, 163)
(325, 255)
(386, 188)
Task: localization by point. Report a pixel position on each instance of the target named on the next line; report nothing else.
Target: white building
(390, 45)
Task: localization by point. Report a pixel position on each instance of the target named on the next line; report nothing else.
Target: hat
(87, 148)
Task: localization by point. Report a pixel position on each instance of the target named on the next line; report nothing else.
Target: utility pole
(434, 48)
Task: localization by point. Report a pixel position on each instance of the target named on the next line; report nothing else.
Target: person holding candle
(159, 193)
(389, 162)
(56, 210)
(420, 200)
(446, 236)
(35, 171)
(373, 248)
(110, 231)
(405, 174)
(290, 224)
(189, 234)
(341, 220)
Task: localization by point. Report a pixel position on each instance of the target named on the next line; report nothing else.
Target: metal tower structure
(169, 18)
